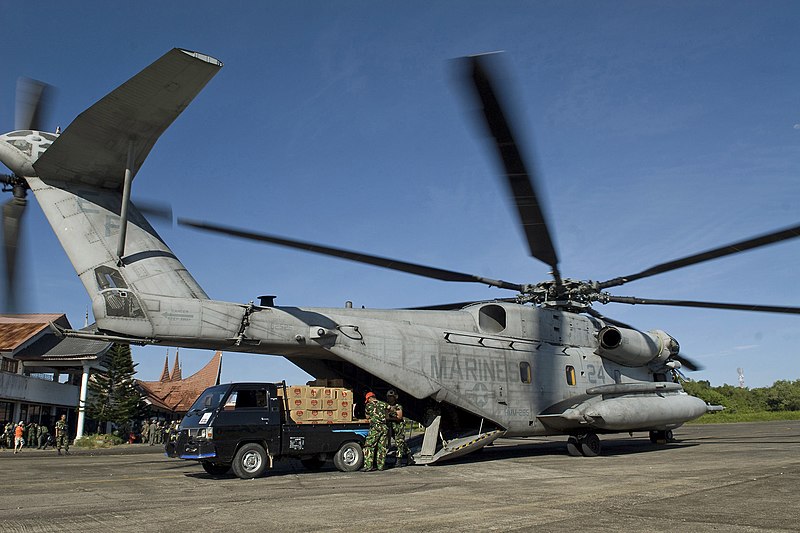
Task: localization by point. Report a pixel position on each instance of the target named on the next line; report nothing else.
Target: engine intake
(630, 347)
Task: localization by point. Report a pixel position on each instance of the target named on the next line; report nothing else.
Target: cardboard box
(313, 392)
(344, 394)
(329, 393)
(330, 404)
(296, 391)
(305, 404)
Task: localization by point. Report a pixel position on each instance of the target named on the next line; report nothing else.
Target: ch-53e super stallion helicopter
(541, 363)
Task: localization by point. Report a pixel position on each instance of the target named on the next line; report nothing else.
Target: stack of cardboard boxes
(319, 405)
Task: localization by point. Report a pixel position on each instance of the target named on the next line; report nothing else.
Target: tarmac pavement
(721, 477)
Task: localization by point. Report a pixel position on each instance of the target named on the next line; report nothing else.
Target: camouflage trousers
(399, 436)
(375, 447)
(62, 441)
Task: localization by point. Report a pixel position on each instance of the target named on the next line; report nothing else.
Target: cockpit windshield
(210, 399)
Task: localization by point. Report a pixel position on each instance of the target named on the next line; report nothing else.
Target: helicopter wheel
(590, 445)
(573, 447)
(662, 437)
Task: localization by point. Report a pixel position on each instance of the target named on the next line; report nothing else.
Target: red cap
(369, 395)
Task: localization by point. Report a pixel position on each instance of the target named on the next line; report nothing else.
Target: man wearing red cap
(377, 442)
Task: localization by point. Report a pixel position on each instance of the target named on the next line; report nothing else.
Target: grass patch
(756, 416)
(98, 441)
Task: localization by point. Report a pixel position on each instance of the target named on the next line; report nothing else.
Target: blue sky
(660, 129)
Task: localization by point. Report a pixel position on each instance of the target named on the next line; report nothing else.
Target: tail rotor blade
(13, 211)
(33, 103)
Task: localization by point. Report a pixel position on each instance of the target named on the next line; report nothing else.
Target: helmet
(391, 394)
(369, 395)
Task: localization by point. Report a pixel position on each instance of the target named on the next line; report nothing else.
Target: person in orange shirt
(18, 440)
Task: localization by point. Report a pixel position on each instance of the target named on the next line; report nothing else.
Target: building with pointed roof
(173, 395)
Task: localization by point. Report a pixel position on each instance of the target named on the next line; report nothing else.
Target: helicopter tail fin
(86, 220)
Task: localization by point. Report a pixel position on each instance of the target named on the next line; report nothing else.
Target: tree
(113, 395)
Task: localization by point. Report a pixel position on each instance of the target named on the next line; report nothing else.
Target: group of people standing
(386, 422)
(158, 432)
(33, 435)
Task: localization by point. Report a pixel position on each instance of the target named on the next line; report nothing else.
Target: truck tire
(250, 461)
(216, 469)
(349, 458)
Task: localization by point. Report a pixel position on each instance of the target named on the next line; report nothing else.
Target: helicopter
(542, 362)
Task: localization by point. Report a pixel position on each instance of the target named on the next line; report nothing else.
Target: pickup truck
(246, 426)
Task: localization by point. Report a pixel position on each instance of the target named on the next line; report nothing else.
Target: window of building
(525, 372)
(6, 411)
(571, 376)
(9, 365)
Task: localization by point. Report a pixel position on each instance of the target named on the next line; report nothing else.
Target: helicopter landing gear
(661, 437)
(587, 445)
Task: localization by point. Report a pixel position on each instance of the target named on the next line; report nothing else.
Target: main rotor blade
(12, 216)
(687, 363)
(155, 210)
(393, 264)
(454, 306)
(611, 321)
(730, 249)
(521, 180)
(708, 305)
(33, 103)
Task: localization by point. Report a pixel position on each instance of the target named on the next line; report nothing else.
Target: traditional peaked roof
(177, 395)
(176, 369)
(165, 372)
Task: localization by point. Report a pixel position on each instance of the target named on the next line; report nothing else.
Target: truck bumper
(198, 450)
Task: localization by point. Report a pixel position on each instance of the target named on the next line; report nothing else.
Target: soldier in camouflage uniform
(145, 431)
(378, 437)
(44, 434)
(397, 429)
(152, 431)
(62, 435)
(31, 434)
(6, 439)
(4, 436)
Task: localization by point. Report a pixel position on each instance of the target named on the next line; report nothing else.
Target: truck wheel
(313, 463)
(216, 469)
(250, 461)
(349, 458)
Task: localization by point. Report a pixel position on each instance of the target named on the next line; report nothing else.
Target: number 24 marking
(595, 373)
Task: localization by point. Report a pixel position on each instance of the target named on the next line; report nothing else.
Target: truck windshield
(210, 399)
